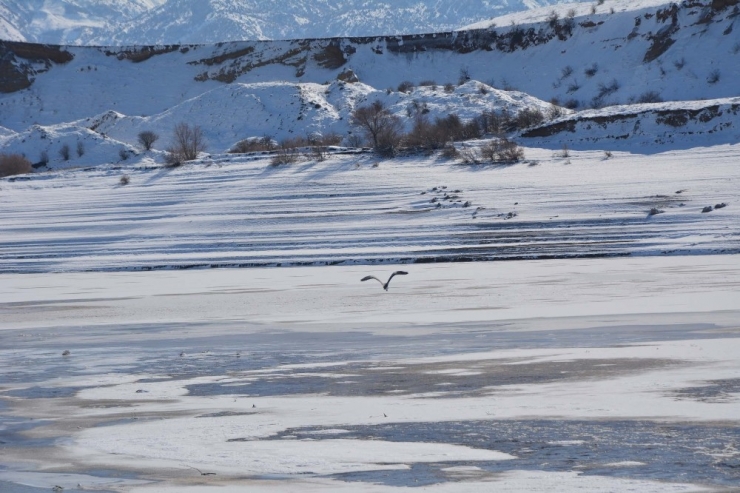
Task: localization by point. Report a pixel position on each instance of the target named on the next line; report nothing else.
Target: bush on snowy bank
(381, 127)
(14, 164)
(497, 151)
(147, 139)
(187, 143)
(383, 130)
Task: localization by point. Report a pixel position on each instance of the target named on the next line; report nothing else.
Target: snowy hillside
(123, 22)
(644, 126)
(674, 53)
(277, 109)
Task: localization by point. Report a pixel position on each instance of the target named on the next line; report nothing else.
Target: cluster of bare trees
(384, 131)
(187, 143)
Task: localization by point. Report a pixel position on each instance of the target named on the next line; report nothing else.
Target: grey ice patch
(654, 451)
(715, 391)
(444, 380)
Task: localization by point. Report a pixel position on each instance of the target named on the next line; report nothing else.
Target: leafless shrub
(593, 9)
(572, 104)
(171, 159)
(607, 154)
(450, 152)
(429, 83)
(44, 158)
(495, 122)
(125, 180)
(564, 152)
(449, 88)
(555, 111)
(529, 117)
(470, 155)
(608, 89)
(64, 152)
(80, 148)
(566, 72)
(253, 144)
(679, 64)
(318, 153)
(286, 153)
(380, 126)
(319, 145)
(650, 97)
(14, 164)
(430, 136)
(464, 76)
(354, 140)
(713, 76)
(502, 150)
(553, 18)
(406, 86)
(592, 70)
(573, 86)
(187, 143)
(416, 107)
(147, 138)
(123, 154)
(482, 89)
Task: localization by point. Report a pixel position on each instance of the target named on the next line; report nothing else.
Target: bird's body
(385, 285)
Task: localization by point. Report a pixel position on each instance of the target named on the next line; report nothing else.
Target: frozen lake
(593, 374)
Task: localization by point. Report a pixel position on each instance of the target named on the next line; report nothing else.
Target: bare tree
(380, 126)
(64, 152)
(188, 142)
(80, 148)
(147, 138)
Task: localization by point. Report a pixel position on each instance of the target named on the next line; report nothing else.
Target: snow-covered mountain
(66, 21)
(127, 22)
(615, 55)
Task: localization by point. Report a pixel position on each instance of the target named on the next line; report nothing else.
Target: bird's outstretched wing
(367, 278)
(397, 273)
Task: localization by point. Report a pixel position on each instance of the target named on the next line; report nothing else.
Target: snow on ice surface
(235, 371)
(355, 209)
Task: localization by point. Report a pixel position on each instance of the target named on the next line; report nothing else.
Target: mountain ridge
(146, 22)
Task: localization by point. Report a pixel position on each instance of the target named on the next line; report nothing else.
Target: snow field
(234, 211)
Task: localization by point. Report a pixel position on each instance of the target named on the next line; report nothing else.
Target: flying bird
(385, 286)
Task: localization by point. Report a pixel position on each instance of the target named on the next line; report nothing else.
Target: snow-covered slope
(123, 22)
(236, 111)
(600, 59)
(645, 126)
